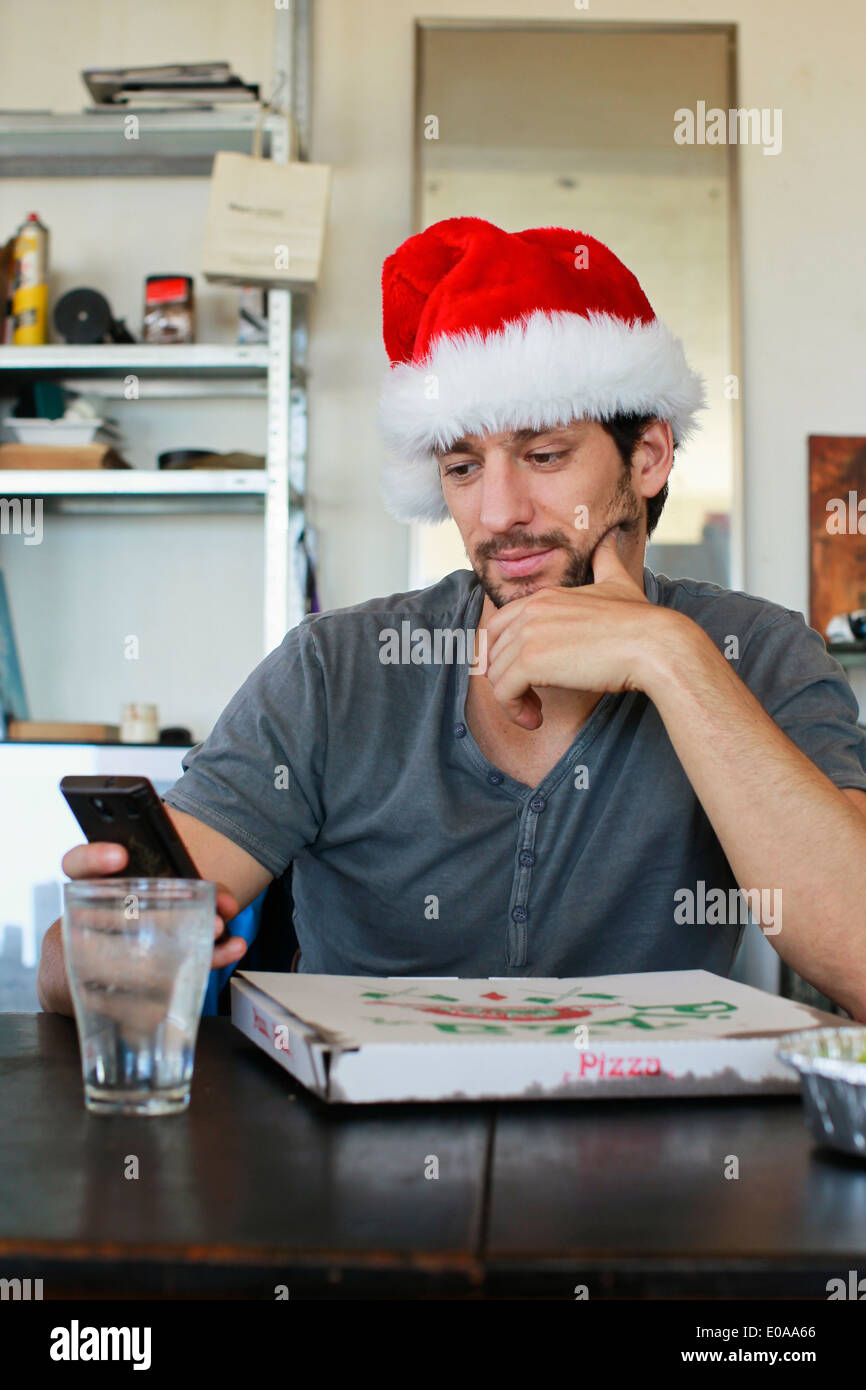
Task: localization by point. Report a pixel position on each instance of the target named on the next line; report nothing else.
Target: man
(557, 762)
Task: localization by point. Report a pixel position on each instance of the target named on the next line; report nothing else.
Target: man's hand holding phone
(100, 859)
(127, 824)
(132, 834)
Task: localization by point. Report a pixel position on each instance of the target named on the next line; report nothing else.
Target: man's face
(532, 506)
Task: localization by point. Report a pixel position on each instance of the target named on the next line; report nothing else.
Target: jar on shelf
(139, 724)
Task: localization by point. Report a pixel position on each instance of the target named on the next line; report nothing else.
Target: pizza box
(359, 1038)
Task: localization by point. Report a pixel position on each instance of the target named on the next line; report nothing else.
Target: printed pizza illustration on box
(550, 1013)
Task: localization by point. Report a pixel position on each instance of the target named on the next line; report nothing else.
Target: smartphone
(127, 811)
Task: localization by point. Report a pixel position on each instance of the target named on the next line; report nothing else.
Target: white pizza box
(359, 1038)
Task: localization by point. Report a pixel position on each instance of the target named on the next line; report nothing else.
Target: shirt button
(459, 730)
(537, 804)
(527, 858)
(519, 914)
(494, 778)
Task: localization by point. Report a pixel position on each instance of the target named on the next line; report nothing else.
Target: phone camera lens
(99, 805)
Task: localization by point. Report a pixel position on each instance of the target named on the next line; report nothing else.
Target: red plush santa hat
(489, 330)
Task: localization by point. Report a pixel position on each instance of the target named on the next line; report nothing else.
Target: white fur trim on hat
(539, 371)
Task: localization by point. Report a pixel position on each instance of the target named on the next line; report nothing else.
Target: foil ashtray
(832, 1067)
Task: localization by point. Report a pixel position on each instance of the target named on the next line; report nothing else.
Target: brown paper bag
(266, 221)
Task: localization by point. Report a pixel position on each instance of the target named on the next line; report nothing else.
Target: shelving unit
(134, 482)
(233, 360)
(174, 559)
(179, 144)
(183, 144)
(848, 655)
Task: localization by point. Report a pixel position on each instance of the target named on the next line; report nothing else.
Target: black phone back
(127, 811)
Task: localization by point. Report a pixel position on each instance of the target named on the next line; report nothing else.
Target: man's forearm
(52, 983)
(781, 823)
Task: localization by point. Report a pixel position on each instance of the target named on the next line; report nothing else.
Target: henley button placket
(516, 946)
(526, 811)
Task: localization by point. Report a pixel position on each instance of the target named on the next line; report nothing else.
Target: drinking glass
(138, 953)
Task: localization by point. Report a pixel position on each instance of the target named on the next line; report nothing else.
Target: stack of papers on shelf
(181, 84)
(666, 1033)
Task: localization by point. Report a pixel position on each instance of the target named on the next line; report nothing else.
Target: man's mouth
(514, 563)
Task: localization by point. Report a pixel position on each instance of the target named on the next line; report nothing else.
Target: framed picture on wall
(837, 527)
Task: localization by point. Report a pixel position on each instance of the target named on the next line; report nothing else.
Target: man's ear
(653, 458)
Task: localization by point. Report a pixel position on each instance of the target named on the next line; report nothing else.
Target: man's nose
(505, 499)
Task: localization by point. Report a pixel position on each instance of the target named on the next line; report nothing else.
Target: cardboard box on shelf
(51, 456)
(671, 1033)
(60, 731)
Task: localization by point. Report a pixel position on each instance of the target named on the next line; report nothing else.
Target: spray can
(30, 286)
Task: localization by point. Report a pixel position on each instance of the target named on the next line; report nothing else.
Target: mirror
(574, 126)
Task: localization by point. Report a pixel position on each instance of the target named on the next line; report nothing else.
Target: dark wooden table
(260, 1184)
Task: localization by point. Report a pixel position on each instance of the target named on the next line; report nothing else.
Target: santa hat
(489, 331)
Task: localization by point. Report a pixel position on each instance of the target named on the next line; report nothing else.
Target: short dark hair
(625, 431)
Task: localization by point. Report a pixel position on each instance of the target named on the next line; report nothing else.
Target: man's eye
(544, 457)
(457, 470)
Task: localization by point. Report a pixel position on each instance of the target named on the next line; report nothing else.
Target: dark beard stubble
(625, 510)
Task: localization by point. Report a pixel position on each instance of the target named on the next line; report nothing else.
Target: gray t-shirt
(415, 855)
